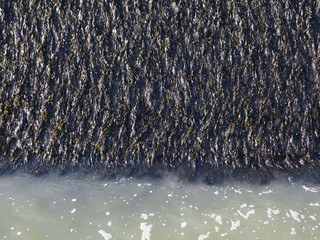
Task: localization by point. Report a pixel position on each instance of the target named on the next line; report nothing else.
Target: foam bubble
(276, 211)
(146, 231)
(183, 224)
(105, 235)
(293, 231)
(144, 216)
(271, 211)
(310, 189)
(218, 219)
(313, 218)
(314, 204)
(247, 215)
(295, 215)
(204, 236)
(235, 225)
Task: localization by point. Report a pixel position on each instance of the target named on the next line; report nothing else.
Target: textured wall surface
(197, 88)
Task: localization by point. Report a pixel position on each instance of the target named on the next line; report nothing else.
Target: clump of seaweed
(198, 88)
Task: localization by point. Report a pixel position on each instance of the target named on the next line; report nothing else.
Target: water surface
(89, 208)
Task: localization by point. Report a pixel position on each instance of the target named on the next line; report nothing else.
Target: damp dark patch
(209, 89)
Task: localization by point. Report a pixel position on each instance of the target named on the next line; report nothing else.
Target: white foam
(271, 211)
(74, 200)
(183, 224)
(204, 236)
(238, 191)
(243, 205)
(105, 235)
(295, 215)
(144, 216)
(310, 189)
(146, 231)
(313, 218)
(218, 219)
(107, 213)
(235, 225)
(314, 204)
(247, 215)
(293, 231)
(276, 211)
(73, 210)
(109, 223)
(265, 192)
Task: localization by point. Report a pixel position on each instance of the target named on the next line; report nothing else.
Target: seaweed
(204, 88)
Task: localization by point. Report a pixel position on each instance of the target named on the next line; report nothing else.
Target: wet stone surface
(209, 89)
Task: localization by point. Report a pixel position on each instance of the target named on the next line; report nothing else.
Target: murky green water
(70, 208)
